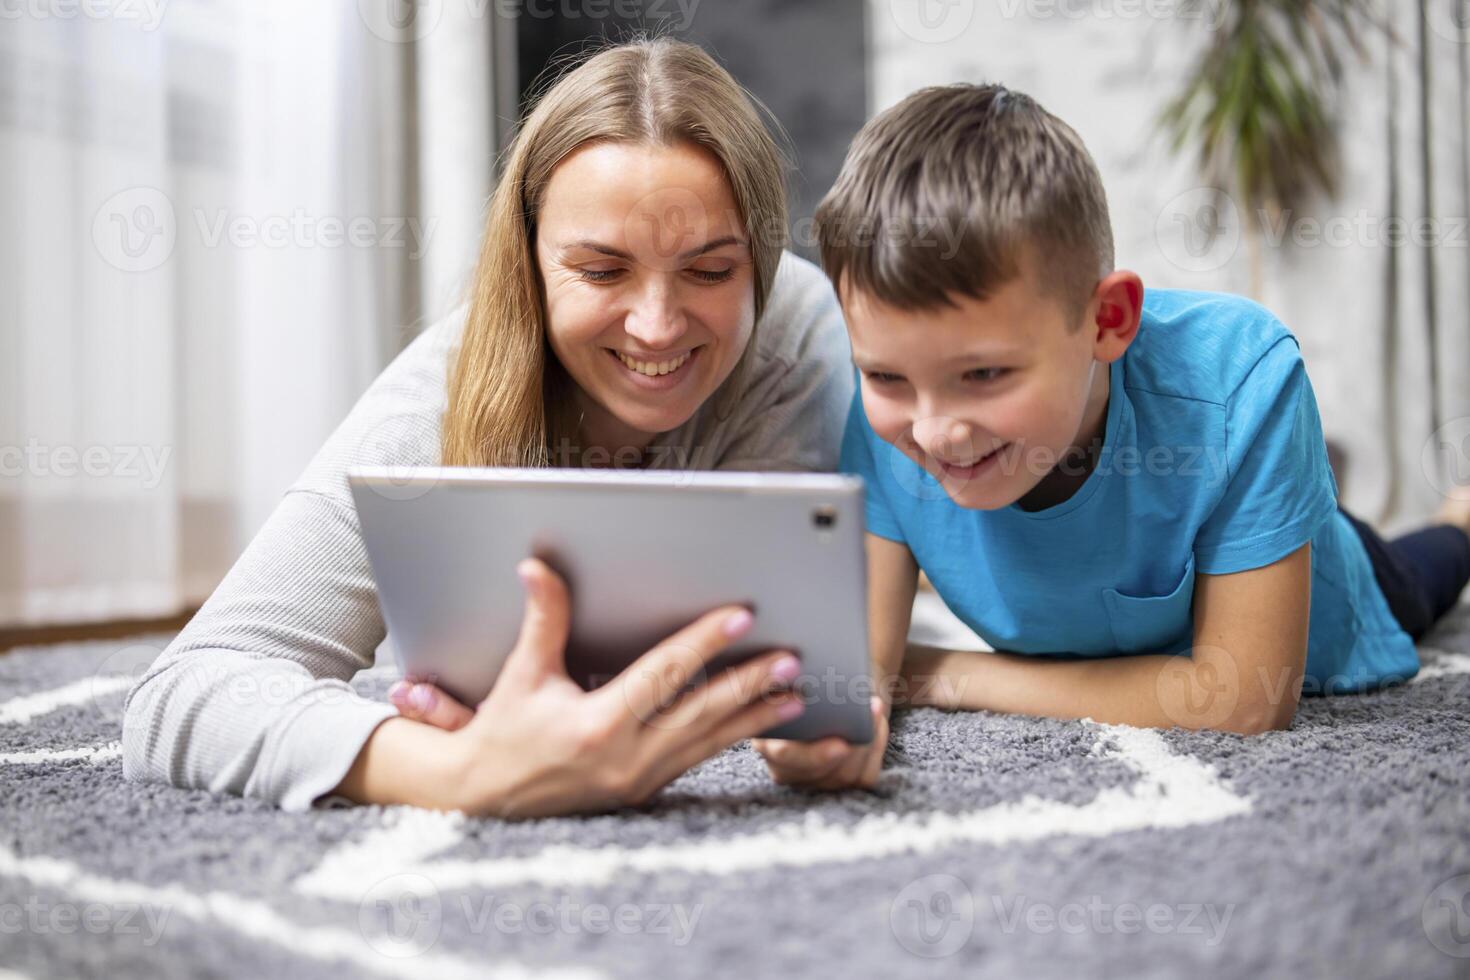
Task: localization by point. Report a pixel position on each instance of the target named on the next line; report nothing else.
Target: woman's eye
(599, 275)
(713, 275)
(986, 374)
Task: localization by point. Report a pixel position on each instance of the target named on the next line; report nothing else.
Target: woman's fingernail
(738, 623)
(788, 710)
(786, 670)
(398, 693)
(421, 697)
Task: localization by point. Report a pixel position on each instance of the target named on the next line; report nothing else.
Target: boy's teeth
(652, 368)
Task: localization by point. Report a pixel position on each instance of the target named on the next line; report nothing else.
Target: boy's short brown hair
(943, 193)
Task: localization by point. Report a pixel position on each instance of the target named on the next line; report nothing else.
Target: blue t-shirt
(1213, 461)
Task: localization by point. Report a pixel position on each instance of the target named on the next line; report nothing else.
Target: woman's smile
(656, 372)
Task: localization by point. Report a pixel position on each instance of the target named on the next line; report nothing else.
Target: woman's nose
(656, 321)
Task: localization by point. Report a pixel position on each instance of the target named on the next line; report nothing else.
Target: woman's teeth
(652, 368)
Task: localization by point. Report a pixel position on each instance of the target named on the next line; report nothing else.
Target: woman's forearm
(405, 762)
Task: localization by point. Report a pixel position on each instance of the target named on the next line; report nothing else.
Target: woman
(632, 305)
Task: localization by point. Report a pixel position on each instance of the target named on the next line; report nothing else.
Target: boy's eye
(986, 374)
(883, 377)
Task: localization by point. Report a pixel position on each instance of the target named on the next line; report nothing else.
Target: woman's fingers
(428, 704)
(758, 717)
(738, 703)
(729, 692)
(651, 684)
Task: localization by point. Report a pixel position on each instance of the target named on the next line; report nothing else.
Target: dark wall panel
(805, 59)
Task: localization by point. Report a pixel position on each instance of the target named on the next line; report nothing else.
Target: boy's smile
(989, 396)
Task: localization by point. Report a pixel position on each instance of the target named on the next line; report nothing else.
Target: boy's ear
(1117, 307)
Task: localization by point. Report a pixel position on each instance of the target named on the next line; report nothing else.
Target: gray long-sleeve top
(252, 697)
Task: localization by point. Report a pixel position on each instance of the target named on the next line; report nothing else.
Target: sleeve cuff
(884, 527)
(1263, 549)
(318, 748)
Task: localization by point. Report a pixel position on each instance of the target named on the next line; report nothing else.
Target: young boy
(1095, 480)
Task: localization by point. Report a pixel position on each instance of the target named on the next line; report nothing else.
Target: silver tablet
(644, 555)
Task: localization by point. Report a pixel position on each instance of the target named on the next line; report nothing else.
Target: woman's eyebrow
(591, 246)
(709, 246)
(712, 245)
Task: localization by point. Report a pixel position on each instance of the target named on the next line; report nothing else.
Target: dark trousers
(1421, 574)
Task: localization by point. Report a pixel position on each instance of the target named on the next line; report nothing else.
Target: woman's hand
(829, 763)
(540, 745)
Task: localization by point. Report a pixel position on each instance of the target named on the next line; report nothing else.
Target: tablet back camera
(824, 519)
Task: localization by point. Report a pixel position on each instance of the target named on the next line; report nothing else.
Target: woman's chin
(664, 419)
(654, 411)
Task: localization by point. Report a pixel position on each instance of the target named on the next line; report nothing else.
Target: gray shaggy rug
(994, 846)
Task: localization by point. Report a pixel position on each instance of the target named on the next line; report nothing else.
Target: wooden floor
(29, 636)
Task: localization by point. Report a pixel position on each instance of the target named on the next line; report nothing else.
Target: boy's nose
(946, 438)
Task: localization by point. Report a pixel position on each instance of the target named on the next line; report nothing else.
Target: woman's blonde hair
(508, 396)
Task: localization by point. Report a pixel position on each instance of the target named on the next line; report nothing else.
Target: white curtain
(210, 243)
(1427, 283)
(1363, 310)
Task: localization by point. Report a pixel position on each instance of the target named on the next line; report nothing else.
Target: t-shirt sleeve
(858, 444)
(1279, 486)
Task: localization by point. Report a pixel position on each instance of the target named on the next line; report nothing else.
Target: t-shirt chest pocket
(1149, 623)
